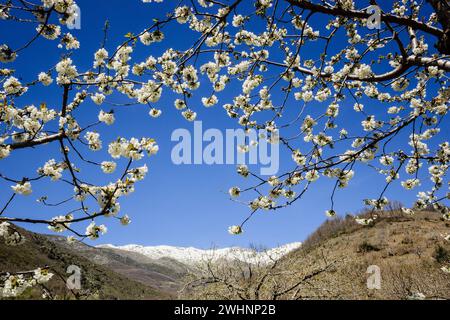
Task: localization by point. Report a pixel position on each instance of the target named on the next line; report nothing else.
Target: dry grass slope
(334, 261)
(408, 250)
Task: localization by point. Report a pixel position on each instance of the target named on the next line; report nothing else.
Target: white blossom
(235, 230)
(23, 188)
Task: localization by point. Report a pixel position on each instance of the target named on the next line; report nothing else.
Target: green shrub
(367, 247)
(441, 255)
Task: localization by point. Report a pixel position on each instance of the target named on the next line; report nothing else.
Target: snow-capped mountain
(193, 255)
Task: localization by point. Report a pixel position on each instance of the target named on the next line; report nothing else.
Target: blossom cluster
(13, 285)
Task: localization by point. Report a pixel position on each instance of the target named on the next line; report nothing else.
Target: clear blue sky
(174, 205)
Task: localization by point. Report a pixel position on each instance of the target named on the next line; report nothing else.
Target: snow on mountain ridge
(192, 255)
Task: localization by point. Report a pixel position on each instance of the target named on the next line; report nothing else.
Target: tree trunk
(442, 9)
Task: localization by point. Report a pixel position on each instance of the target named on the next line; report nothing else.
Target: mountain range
(411, 252)
(126, 272)
(191, 256)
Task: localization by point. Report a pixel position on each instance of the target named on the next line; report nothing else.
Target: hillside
(98, 281)
(129, 272)
(408, 250)
(333, 264)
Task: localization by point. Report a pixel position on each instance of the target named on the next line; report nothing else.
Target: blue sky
(174, 205)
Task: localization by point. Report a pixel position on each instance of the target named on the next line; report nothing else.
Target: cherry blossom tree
(300, 64)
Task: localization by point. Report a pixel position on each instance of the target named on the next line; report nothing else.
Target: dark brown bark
(440, 6)
(35, 142)
(442, 9)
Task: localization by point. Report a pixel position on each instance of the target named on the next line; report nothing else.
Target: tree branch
(35, 142)
(385, 17)
(442, 9)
